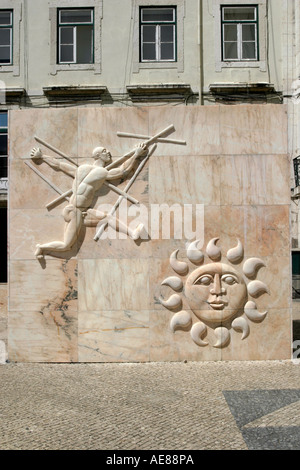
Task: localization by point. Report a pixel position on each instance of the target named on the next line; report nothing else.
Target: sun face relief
(220, 295)
(215, 292)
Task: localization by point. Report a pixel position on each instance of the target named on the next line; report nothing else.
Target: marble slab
(57, 127)
(254, 180)
(257, 130)
(3, 313)
(43, 336)
(99, 127)
(43, 311)
(109, 284)
(257, 346)
(201, 131)
(113, 336)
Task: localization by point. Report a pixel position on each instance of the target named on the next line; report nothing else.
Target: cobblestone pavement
(159, 406)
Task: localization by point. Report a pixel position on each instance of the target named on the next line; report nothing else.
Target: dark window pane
(84, 44)
(230, 51)
(149, 52)
(3, 144)
(76, 16)
(66, 35)
(239, 13)
(5, 55)
(158, 14)
(167, 51)
(3, 244)
(149, 33)
(66, 54)
(5, 18)
(5, 36)
(296, 274)
(230, 32)
(3, 119)
(167, 33)
(248, 32)
(3, 167)
(296, 263)
(249, 50)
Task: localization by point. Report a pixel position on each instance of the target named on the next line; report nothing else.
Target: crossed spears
(122, 193)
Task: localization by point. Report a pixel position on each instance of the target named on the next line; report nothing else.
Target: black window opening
(158, 33)
(296, 274)
(240, 33)
(3, 143)
(75, 36)
(6, 37)
(3, 244)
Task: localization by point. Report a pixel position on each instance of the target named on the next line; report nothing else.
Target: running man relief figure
(88, 179)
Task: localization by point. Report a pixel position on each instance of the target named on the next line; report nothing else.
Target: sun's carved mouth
(218, 304)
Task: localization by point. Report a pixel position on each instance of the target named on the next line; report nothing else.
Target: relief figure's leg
(116, 224)
(73, 223)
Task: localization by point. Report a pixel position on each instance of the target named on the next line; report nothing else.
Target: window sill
(245, 87)
(241, 64)
(14, 69)
(62, 93)
(169, 91)
(74, 67)
(158, 65)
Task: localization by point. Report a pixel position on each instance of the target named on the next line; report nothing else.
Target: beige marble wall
(100, 302)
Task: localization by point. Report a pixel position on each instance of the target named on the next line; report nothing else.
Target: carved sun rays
(183, 319)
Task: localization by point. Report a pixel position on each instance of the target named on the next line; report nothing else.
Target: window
(296, 274)
(6, 30)
(239, 33)
(3, 144)
(3, 244)
(158, 34)
(76, 36)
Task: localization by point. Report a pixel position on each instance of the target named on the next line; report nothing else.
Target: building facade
(139, 53)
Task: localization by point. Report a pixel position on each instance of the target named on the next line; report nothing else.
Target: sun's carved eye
(229, 279)
(204, 280)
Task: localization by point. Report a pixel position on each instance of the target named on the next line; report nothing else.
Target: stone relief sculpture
(88, 179)
(217, 293)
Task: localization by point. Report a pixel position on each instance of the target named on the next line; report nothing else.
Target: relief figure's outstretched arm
(122, 170)
(55, 163)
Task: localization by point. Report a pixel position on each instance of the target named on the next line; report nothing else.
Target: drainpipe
(200, 45)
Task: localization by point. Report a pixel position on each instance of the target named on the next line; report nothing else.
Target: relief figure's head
(101, 153)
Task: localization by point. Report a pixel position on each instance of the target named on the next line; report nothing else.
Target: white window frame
(239, 26)
(16, 7)
(54, 6)
(74, 27)
(74, 44)
(158, 37)
(4, 133)
(178, 64)
(10, 28)
(261, 63)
